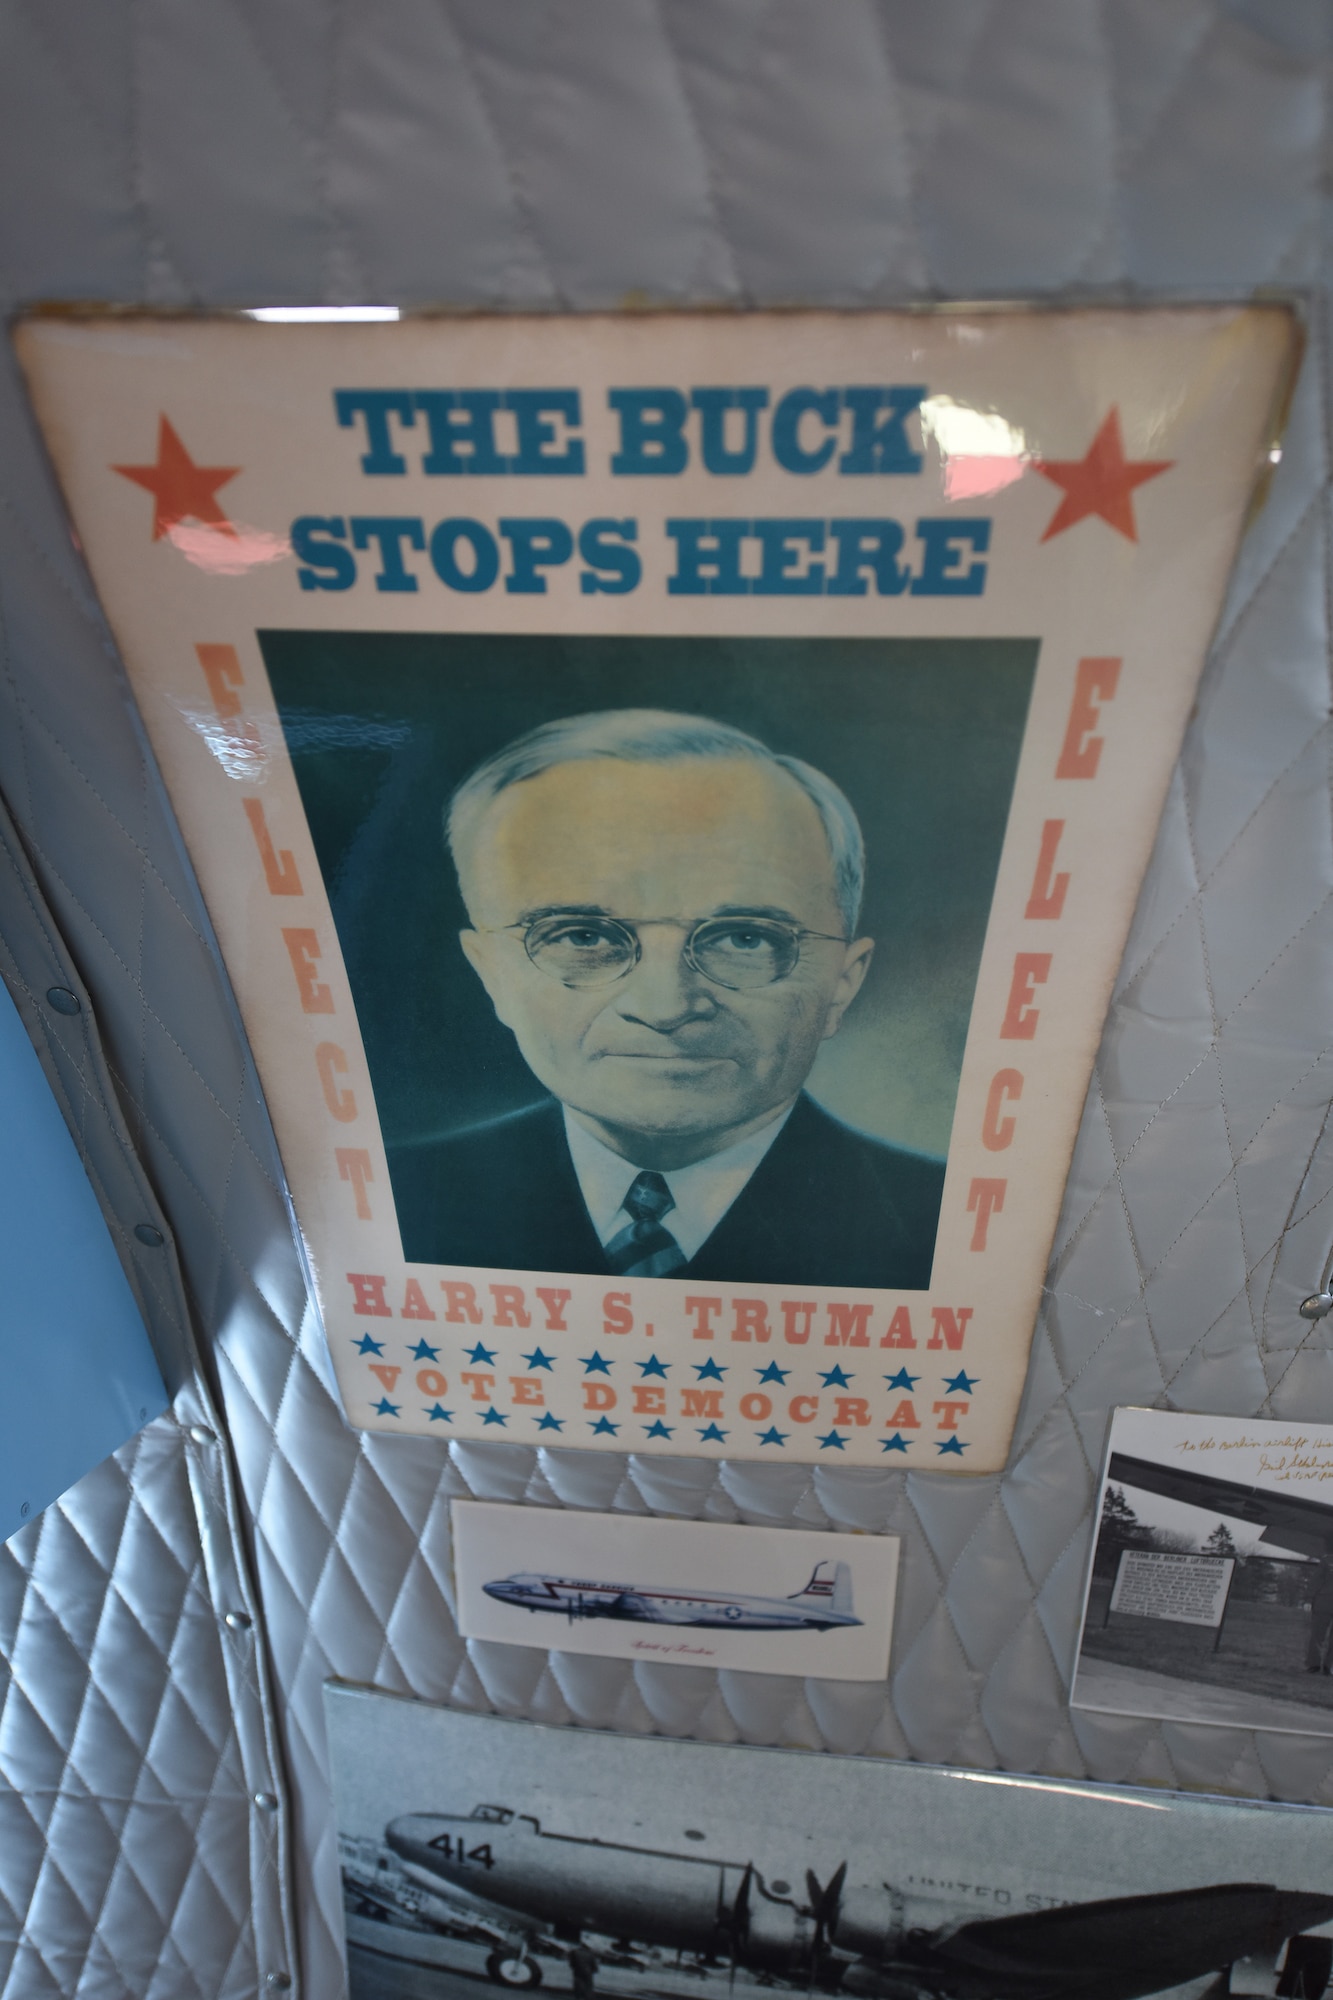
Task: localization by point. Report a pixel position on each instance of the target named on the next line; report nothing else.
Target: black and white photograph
(1210, 1592)
(479, 1852)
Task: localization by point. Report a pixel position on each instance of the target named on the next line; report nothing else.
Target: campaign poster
(479, 1852)
(671, 791)
(1210, 1587)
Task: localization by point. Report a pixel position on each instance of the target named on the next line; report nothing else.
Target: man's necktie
(644, 1249)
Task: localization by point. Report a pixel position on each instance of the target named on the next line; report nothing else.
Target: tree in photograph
(1290, 1585)
(1262, 1579)
(1120, 1529)
(1220, 1542)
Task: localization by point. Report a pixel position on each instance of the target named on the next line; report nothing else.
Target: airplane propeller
(825, 1903)
(738, 1922)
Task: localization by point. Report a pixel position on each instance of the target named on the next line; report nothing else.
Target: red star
(182, 490)
(1101, 483)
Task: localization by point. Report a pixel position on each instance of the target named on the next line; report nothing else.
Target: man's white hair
(654, 736)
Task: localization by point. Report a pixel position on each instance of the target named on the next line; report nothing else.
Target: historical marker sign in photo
(1186, 1589)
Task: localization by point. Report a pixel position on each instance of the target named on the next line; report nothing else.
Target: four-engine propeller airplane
(822, 1605)
(866, 1938)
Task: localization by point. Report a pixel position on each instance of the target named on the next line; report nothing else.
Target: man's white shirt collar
(702, 1193)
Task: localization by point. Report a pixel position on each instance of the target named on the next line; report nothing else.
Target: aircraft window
(780, 1888)
(497, 1815)
(692, 1833)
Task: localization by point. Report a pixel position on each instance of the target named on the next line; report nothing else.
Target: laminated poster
(1210, 1589)
(478, 1852)
(671, 791)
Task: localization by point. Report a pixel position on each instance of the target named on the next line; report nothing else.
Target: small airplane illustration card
(683, 1593)
(1210, 1591)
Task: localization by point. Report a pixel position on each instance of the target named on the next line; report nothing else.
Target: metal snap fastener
(147, 1234)
(266, 1802)
(62, 1001)
(238, 1621)
(202, 1436)
(279, 1982)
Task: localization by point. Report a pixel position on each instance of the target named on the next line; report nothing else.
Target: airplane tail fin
(834, 1591)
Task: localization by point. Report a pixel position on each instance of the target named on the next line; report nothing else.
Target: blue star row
(710, 1370)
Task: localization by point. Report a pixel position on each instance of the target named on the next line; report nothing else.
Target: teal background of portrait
(922, 734)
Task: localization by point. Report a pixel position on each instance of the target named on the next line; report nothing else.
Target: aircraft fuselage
(651, 1604)
(680, 1901)
(878, 1940)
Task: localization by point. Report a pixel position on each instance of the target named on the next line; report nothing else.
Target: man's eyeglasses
(740, 952)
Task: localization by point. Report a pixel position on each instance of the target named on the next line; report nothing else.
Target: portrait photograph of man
(674, 981)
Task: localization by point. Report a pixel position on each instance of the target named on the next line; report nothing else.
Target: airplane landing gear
(509, 1969)
(1306, 1967)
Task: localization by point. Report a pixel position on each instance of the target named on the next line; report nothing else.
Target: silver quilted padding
(141, 1836)
(541, 155)
(123, 1841)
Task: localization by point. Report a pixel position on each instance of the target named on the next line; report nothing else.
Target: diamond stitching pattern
(1201, 1195)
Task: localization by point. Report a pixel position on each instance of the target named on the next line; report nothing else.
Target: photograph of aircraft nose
(479, 1852)
(821, 1605)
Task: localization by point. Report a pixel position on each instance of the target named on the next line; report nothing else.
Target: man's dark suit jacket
(825, 1206)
